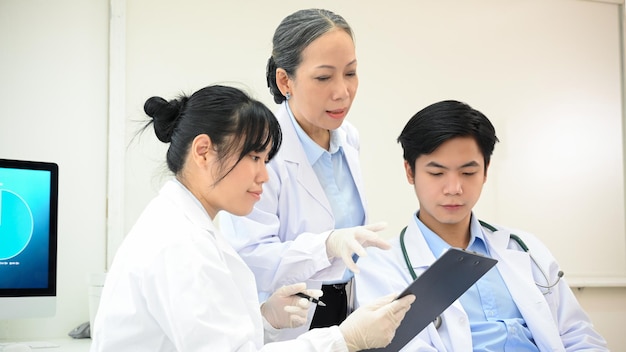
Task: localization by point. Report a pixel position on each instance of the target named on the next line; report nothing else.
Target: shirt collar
(476, 231)
(438, 246)
(312, 150)
(477, 241)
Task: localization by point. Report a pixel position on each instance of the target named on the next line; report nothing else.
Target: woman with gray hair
(311, 224)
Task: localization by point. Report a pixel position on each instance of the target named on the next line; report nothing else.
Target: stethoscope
(546, 289)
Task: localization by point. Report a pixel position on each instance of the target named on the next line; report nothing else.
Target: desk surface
(64, 344)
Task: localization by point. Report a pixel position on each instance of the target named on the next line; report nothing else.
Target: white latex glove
(284, 310)
(343, 243)
(374, 325)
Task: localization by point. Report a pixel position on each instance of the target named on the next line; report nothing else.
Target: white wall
(410, 54)
(53, 107)
(546, 72)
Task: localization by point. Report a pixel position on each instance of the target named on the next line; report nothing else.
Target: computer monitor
(28, 238)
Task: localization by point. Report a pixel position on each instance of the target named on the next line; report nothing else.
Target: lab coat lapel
(421, 258)
(419, 253)
(292, 152)
(516, 271)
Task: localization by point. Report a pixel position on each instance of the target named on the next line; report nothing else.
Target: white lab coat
(283, 240)
(177, 285)
(556, 320)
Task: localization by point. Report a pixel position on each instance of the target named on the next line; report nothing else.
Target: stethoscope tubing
(548, 286)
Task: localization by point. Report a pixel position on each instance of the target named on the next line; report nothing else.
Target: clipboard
(436, 289)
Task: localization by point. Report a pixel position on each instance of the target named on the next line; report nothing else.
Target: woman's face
(325, 83)
(240, 189)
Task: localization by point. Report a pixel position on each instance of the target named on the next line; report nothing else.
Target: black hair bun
(164, 115)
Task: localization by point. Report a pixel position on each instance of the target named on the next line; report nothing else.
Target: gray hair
(292, 36)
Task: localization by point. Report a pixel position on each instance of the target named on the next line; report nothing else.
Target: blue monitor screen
(28, 221)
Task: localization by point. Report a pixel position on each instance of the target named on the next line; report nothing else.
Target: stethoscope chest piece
(437, 322)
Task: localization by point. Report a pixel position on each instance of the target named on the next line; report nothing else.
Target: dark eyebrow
(434, 164)
(468, 164)
(333, 67)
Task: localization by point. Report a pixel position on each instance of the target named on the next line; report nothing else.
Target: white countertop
(63, 344)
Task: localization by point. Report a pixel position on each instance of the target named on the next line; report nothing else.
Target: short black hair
(444, 120)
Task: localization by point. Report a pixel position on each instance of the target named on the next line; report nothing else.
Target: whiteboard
(546, 72)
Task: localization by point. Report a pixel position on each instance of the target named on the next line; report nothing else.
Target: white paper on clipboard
(436, 289)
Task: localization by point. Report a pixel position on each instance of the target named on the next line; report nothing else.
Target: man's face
(448, 183)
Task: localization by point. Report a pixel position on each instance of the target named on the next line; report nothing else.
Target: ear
(409, 173)
(282, 81)
(201, 151)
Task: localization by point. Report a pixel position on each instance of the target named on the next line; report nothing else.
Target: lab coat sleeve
(271, 239)
(382, 273)
(326, 340)
(574, 325)
(318, 340)
(213, 317)
(192, 294)
(576, 329)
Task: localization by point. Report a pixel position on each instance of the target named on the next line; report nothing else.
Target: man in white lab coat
(312, 218)
(522, 304)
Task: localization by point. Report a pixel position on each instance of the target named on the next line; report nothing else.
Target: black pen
(311, 299)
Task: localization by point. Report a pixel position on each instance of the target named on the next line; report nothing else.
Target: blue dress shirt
(495, 321)
(332, 171)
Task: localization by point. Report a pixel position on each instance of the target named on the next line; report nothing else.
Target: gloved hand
(374, 325)
(284, 310)
(344, 243)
